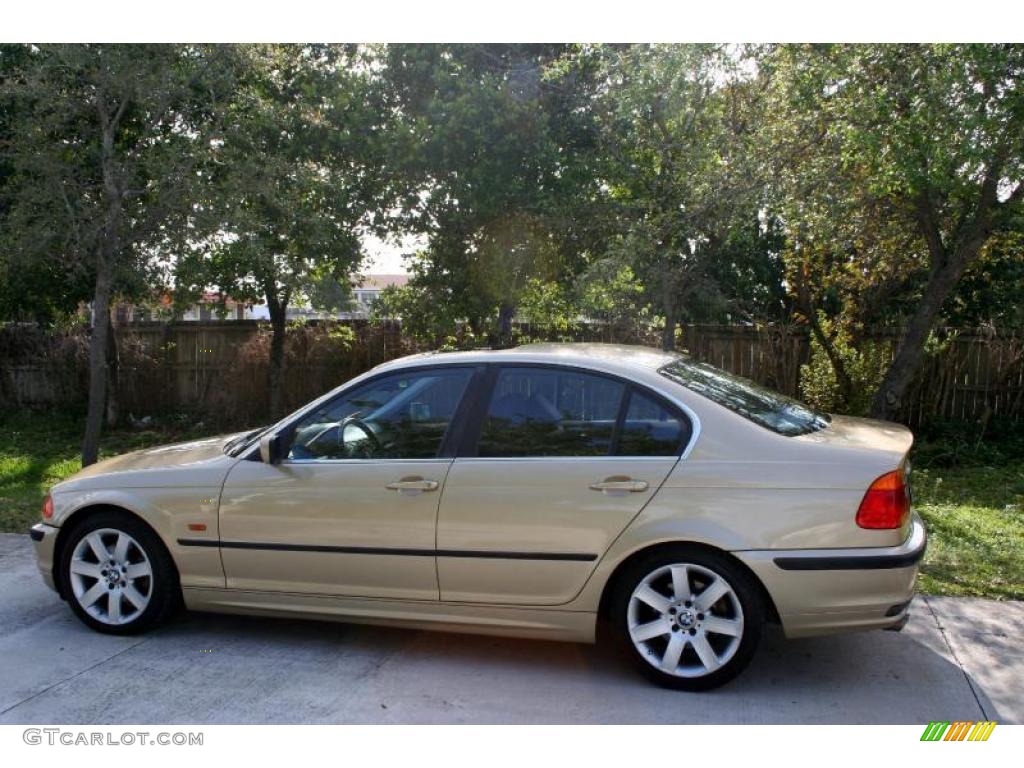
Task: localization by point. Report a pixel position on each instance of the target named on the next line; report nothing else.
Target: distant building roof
(383, 281)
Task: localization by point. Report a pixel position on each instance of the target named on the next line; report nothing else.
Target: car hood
(195, 463)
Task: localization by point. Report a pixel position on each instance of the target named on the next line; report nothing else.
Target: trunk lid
(869, 435)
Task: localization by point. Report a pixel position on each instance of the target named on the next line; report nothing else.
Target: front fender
(173, 513)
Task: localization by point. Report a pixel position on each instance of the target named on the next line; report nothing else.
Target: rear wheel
(688, 618)
(117, 575)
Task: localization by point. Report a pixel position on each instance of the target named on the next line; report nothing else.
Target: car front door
(352, 507)
(563, 460)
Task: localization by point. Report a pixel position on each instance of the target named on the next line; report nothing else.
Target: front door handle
(619, 483)
(413, 483)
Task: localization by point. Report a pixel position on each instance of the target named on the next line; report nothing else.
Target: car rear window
(760, 405)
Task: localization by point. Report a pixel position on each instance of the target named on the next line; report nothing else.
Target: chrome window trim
(363, 462)
(667, 459)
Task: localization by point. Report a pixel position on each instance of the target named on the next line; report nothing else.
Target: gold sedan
(529, 492)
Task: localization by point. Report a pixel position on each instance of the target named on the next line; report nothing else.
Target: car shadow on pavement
(251, 669)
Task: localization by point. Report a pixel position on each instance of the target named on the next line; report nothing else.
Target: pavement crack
(949, 645)
(68, 679)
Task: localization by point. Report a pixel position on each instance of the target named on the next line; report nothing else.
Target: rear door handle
(620, 484)
(413, 483)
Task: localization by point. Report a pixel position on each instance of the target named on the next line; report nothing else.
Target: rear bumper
(822, 591)
(45, 539)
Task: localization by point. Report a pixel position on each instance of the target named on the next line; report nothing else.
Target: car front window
(763, 406)
(402, 416)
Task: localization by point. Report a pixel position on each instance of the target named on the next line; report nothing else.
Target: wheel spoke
(98, 547)
(93, 594)
(683, 596)
(681, 582)
(651, 629)
(673, 651)
(706, 653)
(114, 606)
(139, 570)
(134, 597)
(712, 593)
(657, 601)
(83, 568)
(121, 548)
(720, 626)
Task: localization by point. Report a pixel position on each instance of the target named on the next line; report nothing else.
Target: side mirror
(270, 449)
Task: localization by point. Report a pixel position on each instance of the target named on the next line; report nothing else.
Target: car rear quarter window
(650, 429)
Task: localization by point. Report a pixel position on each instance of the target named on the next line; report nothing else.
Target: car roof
(624, 357)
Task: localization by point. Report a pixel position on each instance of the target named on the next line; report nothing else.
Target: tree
(916, 151)
(500, 183)
(103, 145)
(678, 127)
(302, 171)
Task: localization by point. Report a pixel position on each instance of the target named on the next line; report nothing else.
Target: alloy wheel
(685, 620)
(111, 576)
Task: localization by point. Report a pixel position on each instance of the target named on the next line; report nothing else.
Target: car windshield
(771, 410)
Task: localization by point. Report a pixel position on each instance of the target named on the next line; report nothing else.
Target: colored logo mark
(960, 730)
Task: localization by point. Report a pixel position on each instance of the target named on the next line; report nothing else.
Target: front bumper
(45, 539)
(822, 591)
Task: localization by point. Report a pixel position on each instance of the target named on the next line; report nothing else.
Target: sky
(385, 258)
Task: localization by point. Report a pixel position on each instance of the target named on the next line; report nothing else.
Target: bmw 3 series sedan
(543, 491)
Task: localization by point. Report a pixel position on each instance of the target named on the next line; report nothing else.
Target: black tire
(164, 592)
(744, 590)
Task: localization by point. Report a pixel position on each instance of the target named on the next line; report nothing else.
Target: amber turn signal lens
(47, 508)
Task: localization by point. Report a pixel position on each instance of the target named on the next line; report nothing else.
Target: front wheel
(688, 618)
(117, 575)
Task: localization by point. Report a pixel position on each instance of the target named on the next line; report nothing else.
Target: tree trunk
(275, 371)
(97, 365)
(843, 381)
(668, 303)
(113, 369)
(949, 262)
(910, 352)
(106, 256)
(505, 314)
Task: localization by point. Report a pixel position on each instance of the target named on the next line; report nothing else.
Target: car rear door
(557, 462)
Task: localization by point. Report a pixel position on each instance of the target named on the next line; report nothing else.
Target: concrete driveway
(957, 659)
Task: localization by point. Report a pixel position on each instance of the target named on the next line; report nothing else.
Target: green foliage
(677, 122)
(70, 194)
(990, 292)
(503, 143)
(548, 307)
(296, 176)
(865, 363)
(893, 166)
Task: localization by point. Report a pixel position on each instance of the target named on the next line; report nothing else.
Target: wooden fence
(219, 368)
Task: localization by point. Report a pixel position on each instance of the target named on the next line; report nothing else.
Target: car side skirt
(473, 618)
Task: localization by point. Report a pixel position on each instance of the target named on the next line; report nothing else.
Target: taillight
(886, 504)
(47, 508)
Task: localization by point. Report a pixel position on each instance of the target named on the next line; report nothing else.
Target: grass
(38, 450)
(969, 491)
